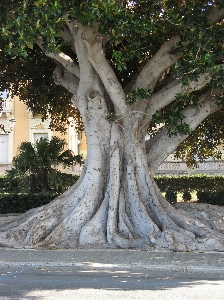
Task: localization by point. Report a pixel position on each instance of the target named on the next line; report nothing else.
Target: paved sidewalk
(116, 259)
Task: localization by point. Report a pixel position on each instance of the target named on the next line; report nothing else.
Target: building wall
(21, 130)
(173, 166)
(82, 144)
(6, 134)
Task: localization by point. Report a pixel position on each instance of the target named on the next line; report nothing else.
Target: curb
(114, 260)
(111, 267)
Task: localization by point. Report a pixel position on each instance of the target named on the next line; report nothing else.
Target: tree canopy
(133, 32)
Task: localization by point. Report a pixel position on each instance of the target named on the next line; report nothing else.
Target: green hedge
(196, 182)
(13, 201)
(58, 182)
(210, 189)
(186, 196)
(211, 197)
(20, 203)
(179, 184)
(171, 196)
(3, 183)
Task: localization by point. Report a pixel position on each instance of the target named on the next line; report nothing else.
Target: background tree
(40, 161)
(129, 65)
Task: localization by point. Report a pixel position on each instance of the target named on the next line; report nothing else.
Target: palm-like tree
(40, 159)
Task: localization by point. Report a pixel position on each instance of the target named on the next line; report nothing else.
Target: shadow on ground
(68, 283)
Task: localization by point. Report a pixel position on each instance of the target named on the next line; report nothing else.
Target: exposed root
(197, 219)
(57, 224)
(93, 233)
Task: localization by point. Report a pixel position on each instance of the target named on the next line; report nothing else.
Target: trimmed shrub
(204, 197)
(197, 182)
(20, 203)
(15, 199)
(171, 196)
(218, 198)
(186, 196)
(212, 197)
(3, 183)
(58, 182)
(209, 188)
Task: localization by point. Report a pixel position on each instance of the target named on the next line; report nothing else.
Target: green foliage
(186, 196)
(190, 183)
(24, 69)
(209, 188)
(211, 197)
(3, 183)
(111, 117)
(60, 182)
(204, 197)
(217, 75)
(119, 60)
(34, 166)
(171, 196)
(20, 183)
(20, 203)
(139, 93)
(57, 182)
(136, 30)
(202, 143)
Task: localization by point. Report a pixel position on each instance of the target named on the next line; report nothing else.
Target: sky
(3, 94)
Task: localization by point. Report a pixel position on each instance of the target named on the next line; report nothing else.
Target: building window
(4, 148)
(37, 136)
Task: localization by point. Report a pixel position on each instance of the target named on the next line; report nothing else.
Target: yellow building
(19, 125)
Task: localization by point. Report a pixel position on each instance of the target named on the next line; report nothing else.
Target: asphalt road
(68, 283)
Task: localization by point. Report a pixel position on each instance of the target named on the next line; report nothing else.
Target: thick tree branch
(155, 67)
(63, 59)
(168, 94)
(67, 37)
(66, 79)
(90, 89)
(93, 41)
(89, 79)
(167, 145)
(72, 25)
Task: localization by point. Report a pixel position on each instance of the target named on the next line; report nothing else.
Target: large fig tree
(132, 67)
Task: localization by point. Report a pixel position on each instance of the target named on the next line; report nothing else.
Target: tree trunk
(44, 173)
(115, 204)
